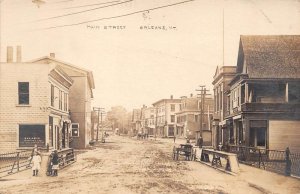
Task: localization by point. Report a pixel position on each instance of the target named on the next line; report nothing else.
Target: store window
(29, 135)
(258, 133)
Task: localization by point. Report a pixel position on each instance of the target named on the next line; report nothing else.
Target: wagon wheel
(192, 154)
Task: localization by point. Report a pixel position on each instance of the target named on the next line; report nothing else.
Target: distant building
(80, 96)
(34, 105)
(148, 120)
(188, 117)
(136, 122)
(222, 77)
(165, 121)
(264, 96)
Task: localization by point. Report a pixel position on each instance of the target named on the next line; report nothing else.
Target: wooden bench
(231, 159)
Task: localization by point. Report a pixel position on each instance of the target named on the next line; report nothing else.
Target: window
(172, 118)
(60, 100)
(258, 130)
(75, 129)
(51, 131)
(23, 92)
(52, 95)
(221, 100)
(172, 107)
(29, 135)
(65, 102)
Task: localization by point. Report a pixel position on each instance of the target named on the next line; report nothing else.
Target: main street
(127, 165)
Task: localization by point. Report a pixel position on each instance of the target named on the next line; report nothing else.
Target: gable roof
(269, 56)
(62, 77)
(76, 68)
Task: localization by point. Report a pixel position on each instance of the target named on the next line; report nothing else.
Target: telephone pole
(203, 92)
(98, 110)
(102, 138)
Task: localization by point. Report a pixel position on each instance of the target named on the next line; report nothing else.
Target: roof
(269, 56)
(223, 71)
(88, 72)
(167, 101)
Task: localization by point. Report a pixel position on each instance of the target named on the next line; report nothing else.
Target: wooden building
(264, 96)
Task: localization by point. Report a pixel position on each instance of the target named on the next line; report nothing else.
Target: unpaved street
(125, 165)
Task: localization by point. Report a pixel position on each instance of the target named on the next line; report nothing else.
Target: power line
(118, 16)
(79, 12)
(91, 4)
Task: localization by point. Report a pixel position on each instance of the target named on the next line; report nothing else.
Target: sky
(135, 65)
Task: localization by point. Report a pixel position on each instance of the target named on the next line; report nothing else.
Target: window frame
(22, 94)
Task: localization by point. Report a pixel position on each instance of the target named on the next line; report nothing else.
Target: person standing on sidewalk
(174, 138)
(36, 161)
(55, 162)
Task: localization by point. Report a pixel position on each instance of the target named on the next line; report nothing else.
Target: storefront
(29, 135)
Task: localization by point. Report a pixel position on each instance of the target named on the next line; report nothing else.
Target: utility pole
(156, 110)
(102, 139)
(98, 109)
(203, 92)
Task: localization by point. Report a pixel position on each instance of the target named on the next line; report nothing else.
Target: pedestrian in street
(174, 138)
(188, 140)
(200, 142)
(36, 163)
(55, 163)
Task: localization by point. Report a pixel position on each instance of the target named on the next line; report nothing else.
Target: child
(55, 163)
(36, 161)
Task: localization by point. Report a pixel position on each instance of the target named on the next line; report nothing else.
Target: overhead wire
(83, 11)
(118, 16)
(89, 5)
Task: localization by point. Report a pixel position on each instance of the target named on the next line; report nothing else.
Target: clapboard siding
(283, 134)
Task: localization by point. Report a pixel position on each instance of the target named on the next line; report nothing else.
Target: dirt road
(125, 165)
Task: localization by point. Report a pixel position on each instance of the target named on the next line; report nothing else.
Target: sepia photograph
(150, 96)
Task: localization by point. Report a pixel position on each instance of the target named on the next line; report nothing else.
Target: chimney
(52, 55)
(19, 54)
(10, 56)
(171, 97)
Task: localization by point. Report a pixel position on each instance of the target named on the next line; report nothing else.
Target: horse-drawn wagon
(185, 150)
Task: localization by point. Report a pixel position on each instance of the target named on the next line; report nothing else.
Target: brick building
(165, 121)
(187, 118)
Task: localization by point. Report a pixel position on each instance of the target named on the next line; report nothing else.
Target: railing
(270, 107)
(66, 157)
(14, 162)
(282, 162)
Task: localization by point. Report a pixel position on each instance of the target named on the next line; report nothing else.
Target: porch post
(287, 92)
(246, 93)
